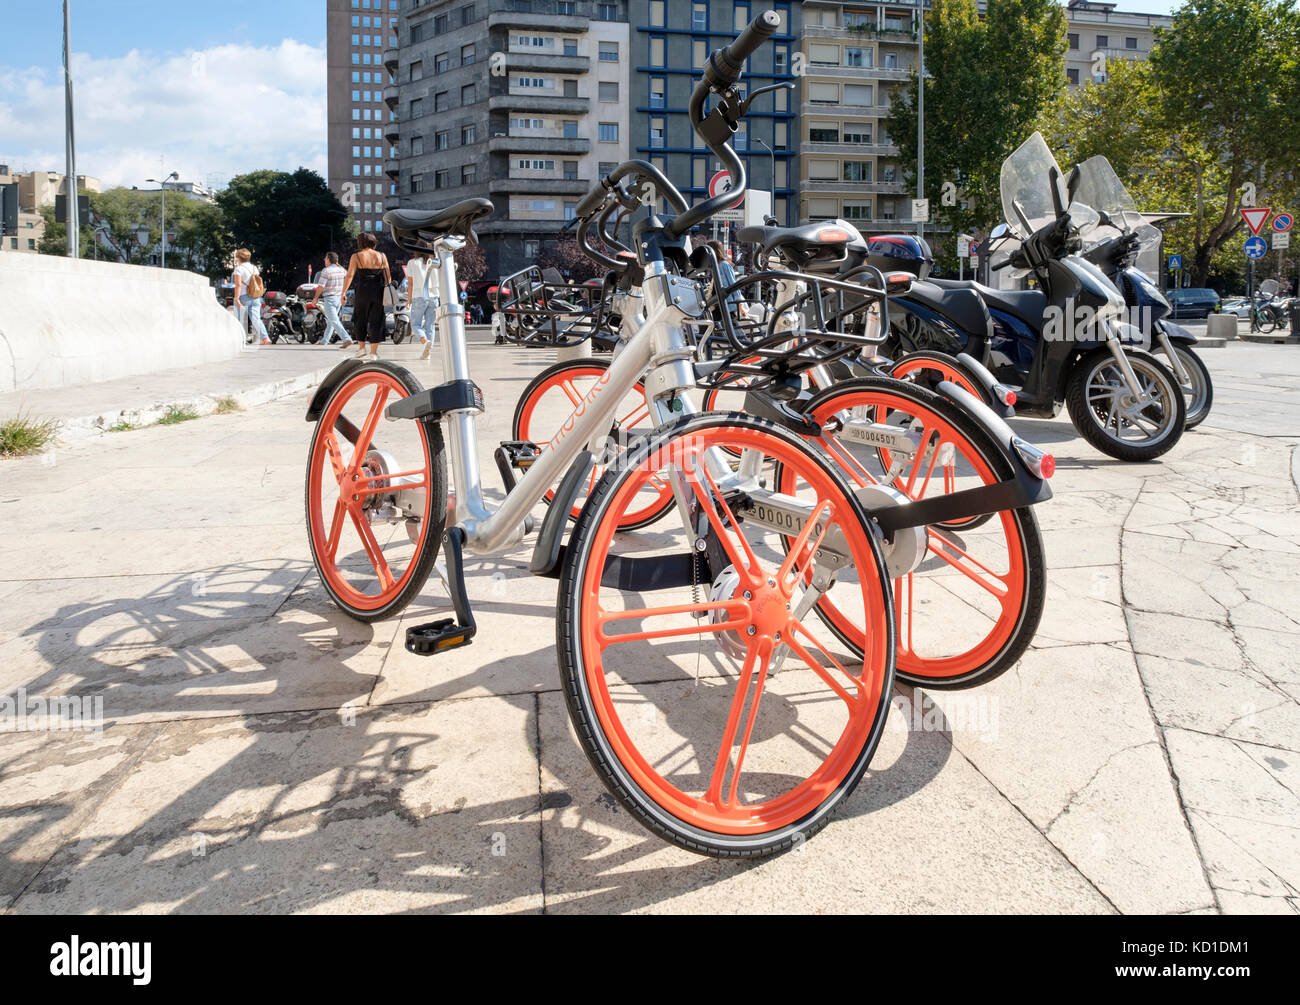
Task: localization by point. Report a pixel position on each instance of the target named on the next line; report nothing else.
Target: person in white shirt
(423, 300)
(329, 293)
(250, 307)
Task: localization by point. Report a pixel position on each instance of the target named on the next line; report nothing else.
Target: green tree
(986, 86)
(1217, 106)
(285, 220)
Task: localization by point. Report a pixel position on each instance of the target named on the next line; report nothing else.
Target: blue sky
(209, 90)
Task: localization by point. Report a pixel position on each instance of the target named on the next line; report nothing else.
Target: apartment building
(1100, 32)
(856, 58)
(524, 102)
(361, 47)
(21, 197)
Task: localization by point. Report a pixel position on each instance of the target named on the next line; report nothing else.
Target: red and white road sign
(720, 183)
(1255, 217)
(1282, 222)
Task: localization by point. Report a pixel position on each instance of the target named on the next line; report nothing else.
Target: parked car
(1239, 306)
(1193, 302)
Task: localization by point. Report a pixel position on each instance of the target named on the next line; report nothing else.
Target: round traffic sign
(1282, 222)
(720, 183)
(1255, 247)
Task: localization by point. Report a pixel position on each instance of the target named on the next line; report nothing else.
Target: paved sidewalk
(259, 374)
(265, 753)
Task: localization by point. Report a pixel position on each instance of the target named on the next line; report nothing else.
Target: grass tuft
(176, 414)
(23, 436)
(227, 404)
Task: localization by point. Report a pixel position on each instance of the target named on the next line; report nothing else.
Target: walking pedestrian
(329, 294)
(423, 301)
(368, 270)
(249, 289)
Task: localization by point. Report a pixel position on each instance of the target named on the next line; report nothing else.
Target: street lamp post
(70, 142)
(162, 187)
(920, 109)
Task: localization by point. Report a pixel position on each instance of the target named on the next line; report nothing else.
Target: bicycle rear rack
(543, 315)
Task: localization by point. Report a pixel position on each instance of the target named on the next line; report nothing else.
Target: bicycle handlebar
(725, 65)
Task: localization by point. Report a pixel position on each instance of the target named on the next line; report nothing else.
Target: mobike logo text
(596, 391)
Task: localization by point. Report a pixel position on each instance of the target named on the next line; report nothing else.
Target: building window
(606, 168)
(608, 132)
(1130, 43)
(570, 210)
(609, 52)
(442, 140)
(606, 12)
(1103, 41)
(442, 179)
(467, 14)
(417, 146)
(824, 94)
(780, 59)
(1072, 75)
(467, 54)
(531, 249)
(468, 174)
(857, 210)
(417, 70)
(656, 51)
(417, 108)
(854, 56)
(440, 101)
(441, 62)
(699, 17)
(782, 174)
(656, 13)
(780, 136)
(468, 135)
(467, 95)
(857, 132)
(857, 170)
(566, 7)
(417, 184)
(440, 24)
(823, 170)
(1074, 40)
(571, 129)
(659, 133)
(570, 46)
(570, 170)
(608, 90)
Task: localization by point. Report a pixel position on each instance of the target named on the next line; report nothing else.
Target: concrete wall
(65, 322)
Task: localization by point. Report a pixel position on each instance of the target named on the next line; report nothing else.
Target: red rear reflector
(1048, 466)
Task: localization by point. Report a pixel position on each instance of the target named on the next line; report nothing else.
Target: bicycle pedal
(438, 637)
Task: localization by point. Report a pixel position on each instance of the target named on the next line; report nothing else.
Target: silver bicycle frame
(657, 350)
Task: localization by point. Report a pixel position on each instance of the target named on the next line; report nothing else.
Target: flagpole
(73, 200)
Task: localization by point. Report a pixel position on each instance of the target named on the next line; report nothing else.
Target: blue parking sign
(1255, 247)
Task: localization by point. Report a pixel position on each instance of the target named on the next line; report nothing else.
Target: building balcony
(815, 109)
(817, 71)
(539, 186)
(393, 167)
(391, 57)
(567, 23)
(538, 145)
(391, 96)
(852, 188)
(546, 62)
(850, 149)
(872, 34)
(392, 133)
(538, 103)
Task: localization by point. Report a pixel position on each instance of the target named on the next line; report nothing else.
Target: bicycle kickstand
(450, 633)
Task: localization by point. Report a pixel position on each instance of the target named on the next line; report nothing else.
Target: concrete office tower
(524, 102)
(671, 40)
(361, 47)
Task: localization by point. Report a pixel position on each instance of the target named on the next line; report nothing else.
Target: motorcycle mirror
(999, 232)
(1072, 182)
(1060, 196)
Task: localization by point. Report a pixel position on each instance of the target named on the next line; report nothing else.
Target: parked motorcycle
(284, 315)
(1126, 247)
(1066, 342)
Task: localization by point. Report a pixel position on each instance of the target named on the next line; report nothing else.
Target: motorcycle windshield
(1026, 184)
(1099, 187)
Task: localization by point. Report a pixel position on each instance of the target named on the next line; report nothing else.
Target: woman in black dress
(369, 275)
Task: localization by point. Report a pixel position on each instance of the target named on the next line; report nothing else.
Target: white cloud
(212, 113)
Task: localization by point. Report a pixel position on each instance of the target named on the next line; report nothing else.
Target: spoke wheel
(376, 495)
(549, 401)
(969, 609)
(720, 717)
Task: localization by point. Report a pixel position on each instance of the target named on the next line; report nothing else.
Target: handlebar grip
(727, 64)
(592, 200)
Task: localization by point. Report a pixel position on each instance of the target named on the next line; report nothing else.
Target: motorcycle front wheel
(1198, 393)
(1101, 407)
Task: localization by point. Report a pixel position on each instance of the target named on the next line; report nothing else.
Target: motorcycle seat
(458, 218)
(963, 307)
(824, 242)
(1027, 305)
